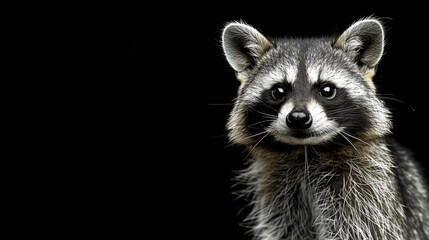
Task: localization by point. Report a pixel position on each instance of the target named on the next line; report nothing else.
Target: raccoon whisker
(340, 112)
(267, 105)
(256, 144)
(393, 99)
(263, 121)
(348, 140)
(307, 168)
(235, 99)
(400, 101)
(315, 151)
(348, 134)
(343, 110)
(254, 135)
(266, 114)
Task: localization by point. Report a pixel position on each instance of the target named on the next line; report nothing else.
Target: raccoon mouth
(305, 134)
(306, 137)
(318, 133)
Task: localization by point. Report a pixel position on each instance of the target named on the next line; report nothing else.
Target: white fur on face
(321, 123)
(268, 80)
(291, 72)
(284, 111)
(321, 130)
(339, 77)
(278, 75)
(273, 77)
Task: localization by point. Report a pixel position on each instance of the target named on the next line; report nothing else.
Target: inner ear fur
(243, 47)
(363, 41)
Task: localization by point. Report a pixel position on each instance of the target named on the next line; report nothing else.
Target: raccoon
(322, 164)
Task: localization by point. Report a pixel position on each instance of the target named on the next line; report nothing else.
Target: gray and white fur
(322, 163)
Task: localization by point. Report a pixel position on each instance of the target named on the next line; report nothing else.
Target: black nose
(299, 120)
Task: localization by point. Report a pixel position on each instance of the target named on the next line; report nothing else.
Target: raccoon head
(311, 91)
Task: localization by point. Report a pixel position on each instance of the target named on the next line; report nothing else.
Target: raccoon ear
(363, 41)
(243, 46)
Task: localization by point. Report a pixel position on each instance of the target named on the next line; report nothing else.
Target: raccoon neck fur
(346, 193)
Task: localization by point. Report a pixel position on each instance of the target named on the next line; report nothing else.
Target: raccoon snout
(299, 120)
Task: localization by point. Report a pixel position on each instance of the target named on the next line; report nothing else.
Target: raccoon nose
(299, 120)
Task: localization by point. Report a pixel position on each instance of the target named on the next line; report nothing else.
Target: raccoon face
(305, 91)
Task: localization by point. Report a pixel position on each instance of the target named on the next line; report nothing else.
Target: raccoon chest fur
(309, 194)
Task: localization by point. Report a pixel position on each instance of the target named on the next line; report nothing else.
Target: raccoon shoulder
(412, 186)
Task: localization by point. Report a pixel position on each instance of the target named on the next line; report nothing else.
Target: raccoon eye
(328, 91)
(278, 93)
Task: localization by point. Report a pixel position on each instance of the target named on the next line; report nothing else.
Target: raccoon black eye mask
(323, 164)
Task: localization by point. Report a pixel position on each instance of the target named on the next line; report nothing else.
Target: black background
(192, 85)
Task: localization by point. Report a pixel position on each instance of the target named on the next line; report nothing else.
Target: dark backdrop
(195, 80)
